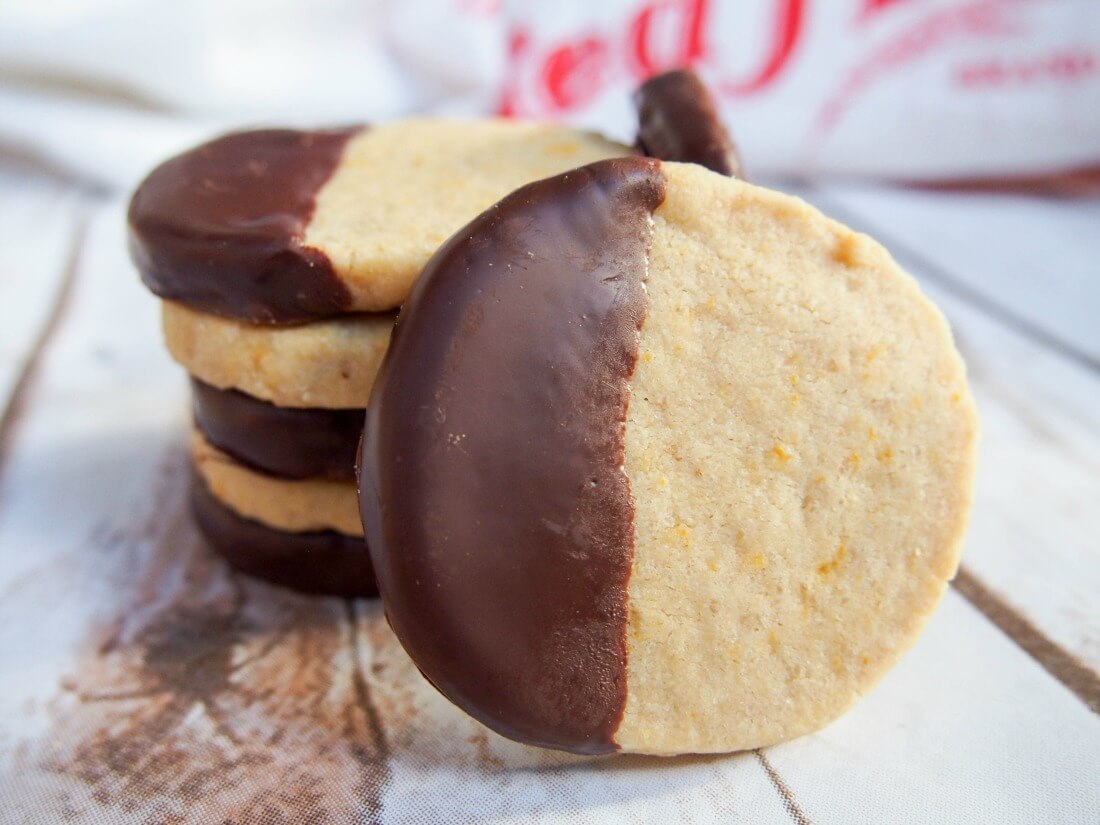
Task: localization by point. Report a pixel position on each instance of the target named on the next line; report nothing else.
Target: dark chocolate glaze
(678, 121)
(219, 228)
(291, 443)
(500, 520)
(322, 562)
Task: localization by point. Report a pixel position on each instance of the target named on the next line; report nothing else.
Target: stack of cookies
(281, 257)
(656, 460)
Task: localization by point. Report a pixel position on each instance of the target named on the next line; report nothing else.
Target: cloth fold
(916, 91)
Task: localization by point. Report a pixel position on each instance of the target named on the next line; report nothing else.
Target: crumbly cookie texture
(401, 189)
(324, 364)
(800, 443)
(292, 506)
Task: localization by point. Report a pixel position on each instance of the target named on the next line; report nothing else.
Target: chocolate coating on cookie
(678, 121)
(322, 562)
(219, 228)
(291, 443)
(500, 520)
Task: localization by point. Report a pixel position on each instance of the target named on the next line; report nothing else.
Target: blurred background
(990, 91)
(962, 134)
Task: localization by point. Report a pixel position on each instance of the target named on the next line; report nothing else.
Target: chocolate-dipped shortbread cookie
(281, 441)
(660, 461)
(294, 505)
(320, 562)
(284, 226)
(327, 364)
(304, 534)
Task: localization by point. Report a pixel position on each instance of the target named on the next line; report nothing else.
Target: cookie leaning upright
(683, 464)
(281, 255)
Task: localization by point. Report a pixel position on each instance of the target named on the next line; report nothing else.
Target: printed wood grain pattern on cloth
(145, 682)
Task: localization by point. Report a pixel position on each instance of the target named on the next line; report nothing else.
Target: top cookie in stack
(281, 256)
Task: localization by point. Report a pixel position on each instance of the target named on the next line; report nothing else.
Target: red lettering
(575, 73)
(785, 34)
(688, 47)
(1060, 67)
(873, 7)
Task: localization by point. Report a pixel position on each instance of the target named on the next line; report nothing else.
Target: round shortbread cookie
(321, 562)
(684, 465)
(283, 226)
(327, 364)
(279, 441)
(294, 506)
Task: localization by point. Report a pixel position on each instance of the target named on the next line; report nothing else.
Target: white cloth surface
(142, 682)
(145, 683)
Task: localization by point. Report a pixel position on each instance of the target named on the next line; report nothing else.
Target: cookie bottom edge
(320, 563)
